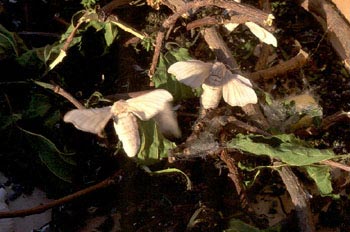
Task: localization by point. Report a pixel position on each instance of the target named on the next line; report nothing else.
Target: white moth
(155, 104)
(217, 82)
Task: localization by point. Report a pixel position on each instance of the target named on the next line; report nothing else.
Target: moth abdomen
(126, 128)
(211, 96)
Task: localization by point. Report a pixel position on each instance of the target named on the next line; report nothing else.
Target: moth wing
(191, 73)
(148, 105)
(238, 91)
(262, 34)
(89, 120)
(167, 122)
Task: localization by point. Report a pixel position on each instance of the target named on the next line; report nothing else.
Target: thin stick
(336, 165)
(219, 47)
(122, 25)
(42, 208)
(109, 7)
(71, 36)
(62, 92)
(219, 20)
(246, 126)
(337, 117)
(256, 15)
(294, 63)
(299, 198)
(236, 179)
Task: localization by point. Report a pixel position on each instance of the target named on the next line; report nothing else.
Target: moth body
(216, 81)
(211, 96)
(218, 69)
(119, 107)
(126, 127)
(212, 87)
(154, 104)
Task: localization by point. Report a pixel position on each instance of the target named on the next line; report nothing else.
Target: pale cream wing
(237, 90)
(167, 122)
(89, 120)
(191, 73)
(262, 33)
(148, 105)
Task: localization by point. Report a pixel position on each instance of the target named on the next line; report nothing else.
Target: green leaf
(45, 55)
(235, 225)
(51, 157)
(67, 33)
(162, 79)
(96, 24)
(52, 119)
(111, 33)
(31, 60)
(39, 105)
(8, 120)
(153, 144)
(286, 148)
(10, 43)
(291, 151)
(321, 176)
(88, 3)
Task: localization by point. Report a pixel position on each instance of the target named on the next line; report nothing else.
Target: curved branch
(42, 208)
(219, 20)
(295, 63)
(256, 16)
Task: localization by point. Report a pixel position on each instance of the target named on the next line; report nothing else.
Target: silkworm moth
(217, 82)
(154, 104)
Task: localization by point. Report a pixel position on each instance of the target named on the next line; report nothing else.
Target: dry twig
(113, 179)
(219, 47)
(219, 20)
(299, 198)
(336, 165)
(57, 89)
(294, 63)
(336, 27)
(234, 175)
(256, 16)
(337, 117)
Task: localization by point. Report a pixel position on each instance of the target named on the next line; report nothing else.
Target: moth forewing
(262, 33)
(89, 120)
(238, 90)
(126, 127)
(150, 104)
(167, 123)
(191, 73)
